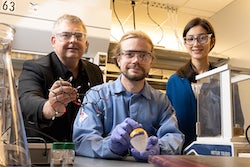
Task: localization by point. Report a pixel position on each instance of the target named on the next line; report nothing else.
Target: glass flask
(13, 144)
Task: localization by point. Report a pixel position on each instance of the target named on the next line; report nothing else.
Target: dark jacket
(34, 83)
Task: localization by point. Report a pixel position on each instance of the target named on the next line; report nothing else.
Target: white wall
(232, 27)
(244, 90)
(34, 22)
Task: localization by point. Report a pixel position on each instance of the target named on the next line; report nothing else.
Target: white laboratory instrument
(223, 115)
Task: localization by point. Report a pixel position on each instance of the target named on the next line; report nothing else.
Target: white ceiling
(168, 18)
(167, 13)
(195, 7)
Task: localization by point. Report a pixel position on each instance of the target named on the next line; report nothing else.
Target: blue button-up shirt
(107, 105)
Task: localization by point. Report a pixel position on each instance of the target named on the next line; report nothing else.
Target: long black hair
(199, 22)
(188, 70)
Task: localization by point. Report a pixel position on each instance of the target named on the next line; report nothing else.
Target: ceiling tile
(211, 5)
(230, 41)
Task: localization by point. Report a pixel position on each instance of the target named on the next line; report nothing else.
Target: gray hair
(70, 18)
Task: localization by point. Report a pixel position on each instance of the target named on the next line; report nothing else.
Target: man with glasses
(51, 88)
(111, 111)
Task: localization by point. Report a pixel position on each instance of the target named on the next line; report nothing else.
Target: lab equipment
(139, 139)
(222, 112)
(13, 144)
(63, 154)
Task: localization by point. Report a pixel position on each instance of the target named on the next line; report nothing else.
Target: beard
(135, 76)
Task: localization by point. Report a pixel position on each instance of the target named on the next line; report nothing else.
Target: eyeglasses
(201, 39)
(143, 56)
(66, 36)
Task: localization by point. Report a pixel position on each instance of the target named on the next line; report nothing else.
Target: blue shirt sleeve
(180, 93)
(107, 105)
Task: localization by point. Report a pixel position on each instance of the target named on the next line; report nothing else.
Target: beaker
(13, 144)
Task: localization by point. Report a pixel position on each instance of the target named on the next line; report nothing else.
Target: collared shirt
(36, 79)
(107, 105)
